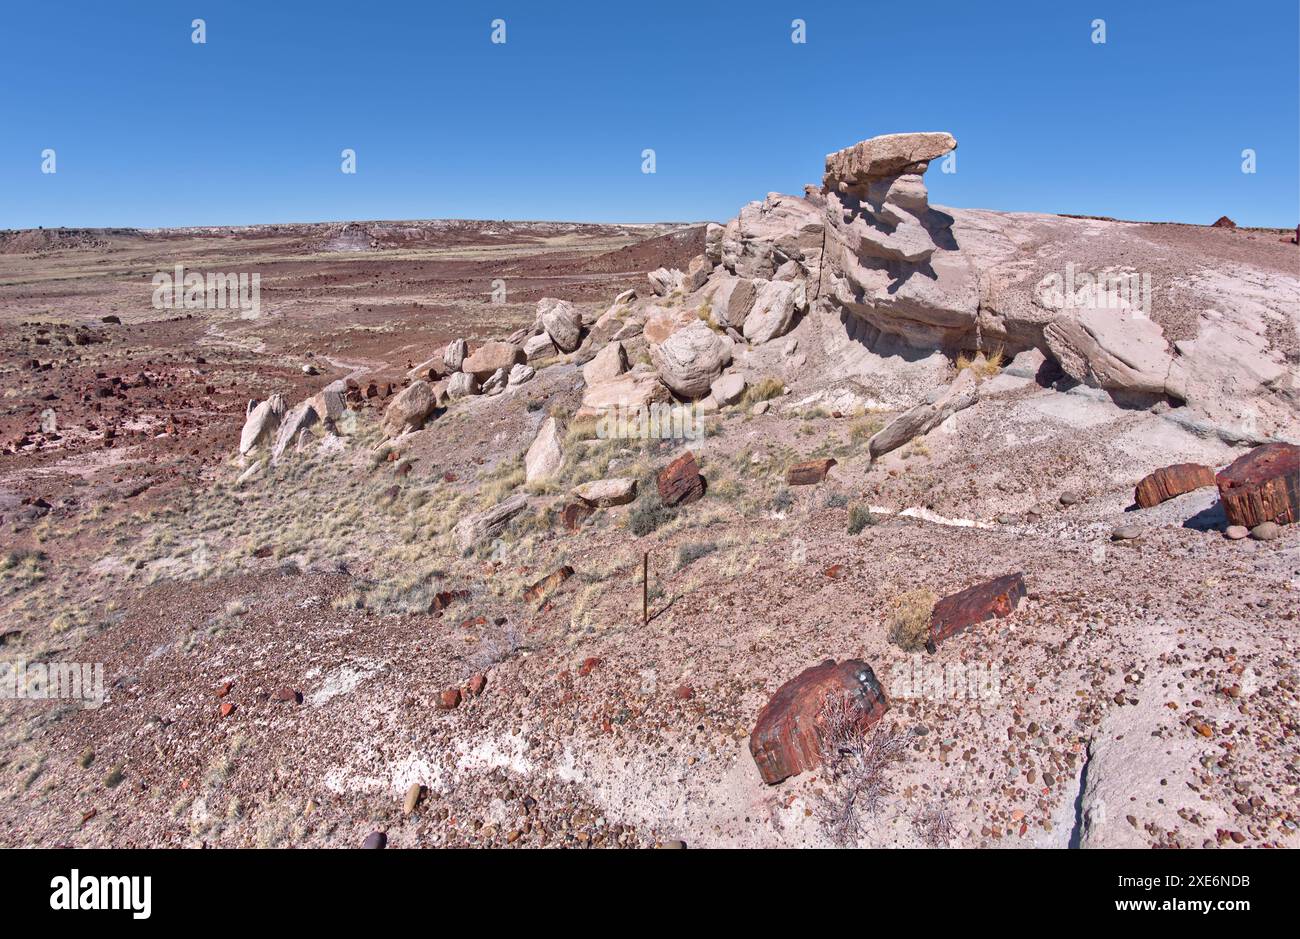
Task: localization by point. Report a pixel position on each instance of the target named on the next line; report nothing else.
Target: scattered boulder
(1170, 481)
(328, 402)
(492, 357)
(375, 841)
(924, 417)
(728, 389)
(539, 347)
(959, 611)
(261, 423)
(544, 456)
(809, 472)
(1224, 222)
(484, 526)
(574, 514)
(301, 417)
(608, 363)
(788, 734)
(462, 385)
(775, 305)
(664, 281)
(690, 360)
(603, 493)
(631, 390)
(521, 373)
(453, 356)
(680, 482)
(1262, 486)
(449, 700)
(408, 410)
(561, 321)
(1236, 532)
(1266, 531)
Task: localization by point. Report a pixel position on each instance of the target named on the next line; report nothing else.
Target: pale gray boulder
(690, 359)
(261, 423)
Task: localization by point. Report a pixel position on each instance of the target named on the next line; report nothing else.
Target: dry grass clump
(856, 762)
(909, 618)
(984, 367)
(764, 389)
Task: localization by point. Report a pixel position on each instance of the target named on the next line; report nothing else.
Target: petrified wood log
(809, 472)
(959, 611)
(1262, 486)
(1170, 481)
(548, 583)
(787, 737)
(680, 481)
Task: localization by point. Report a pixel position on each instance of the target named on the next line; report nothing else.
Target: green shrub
(859, 518)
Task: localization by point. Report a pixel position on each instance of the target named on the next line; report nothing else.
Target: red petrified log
(959, 611)
(787, 737)
(680, 481)
(548, 583)
(808, 473)
(1262, 486)
(1170, 481)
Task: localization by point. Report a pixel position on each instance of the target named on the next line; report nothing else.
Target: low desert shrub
(909, 619)
(860, 517)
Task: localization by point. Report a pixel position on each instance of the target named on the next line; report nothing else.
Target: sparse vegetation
(765, 389)
(985, 367)
(688, 554)
(909, 618)
(856, 763)
(860, 517)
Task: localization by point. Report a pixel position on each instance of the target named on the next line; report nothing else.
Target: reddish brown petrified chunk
(1170, 481)
(1262, 486)
(959, 611)
(809, 472)
(787, 736)
(680, 481)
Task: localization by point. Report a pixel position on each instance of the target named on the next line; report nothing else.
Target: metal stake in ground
(645, 589)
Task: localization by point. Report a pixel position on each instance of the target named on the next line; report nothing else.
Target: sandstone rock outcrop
(788, 734)
(261, 423)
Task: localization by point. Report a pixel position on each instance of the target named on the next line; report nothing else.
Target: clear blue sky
(152, 130)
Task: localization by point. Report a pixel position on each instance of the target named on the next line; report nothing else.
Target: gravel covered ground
(279, 655)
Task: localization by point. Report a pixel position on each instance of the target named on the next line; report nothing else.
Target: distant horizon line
(554, 221)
